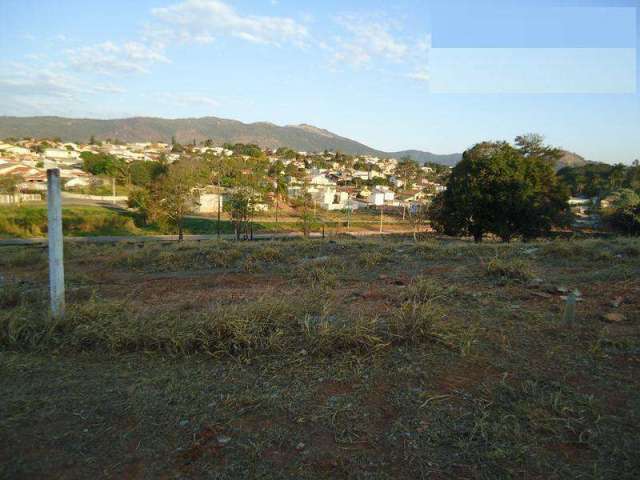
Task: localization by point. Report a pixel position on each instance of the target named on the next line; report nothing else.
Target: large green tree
(504, 190)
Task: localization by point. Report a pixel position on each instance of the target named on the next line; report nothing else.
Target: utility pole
(113, 190)
(381, 212)
(275, 189)
(349, 215)
(56, 264)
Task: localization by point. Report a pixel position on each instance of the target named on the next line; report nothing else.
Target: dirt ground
(501, 385)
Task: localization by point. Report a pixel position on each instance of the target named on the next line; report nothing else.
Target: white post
(56, 265)
(113, 190)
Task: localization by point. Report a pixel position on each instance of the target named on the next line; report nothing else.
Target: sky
(436, 75)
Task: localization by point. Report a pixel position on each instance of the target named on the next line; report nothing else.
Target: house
(17, 169)
(210, 200)
(381, 195)
(78, 182)
(8, 148)
(321, 180)
(62, 155)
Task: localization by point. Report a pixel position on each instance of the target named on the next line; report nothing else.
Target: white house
(210, 202)
(321, 180)
(8, 148)
(381, 195)
(61, 155)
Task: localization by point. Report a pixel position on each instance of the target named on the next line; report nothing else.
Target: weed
(509, 269)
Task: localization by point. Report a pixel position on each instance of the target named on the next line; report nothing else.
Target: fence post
(56, 264)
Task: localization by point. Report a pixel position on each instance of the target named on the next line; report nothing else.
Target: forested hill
(142, 129)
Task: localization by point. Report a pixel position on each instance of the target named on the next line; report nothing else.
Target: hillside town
(331, 180)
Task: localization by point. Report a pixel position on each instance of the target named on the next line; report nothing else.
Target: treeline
(600, 179)
(615, 188)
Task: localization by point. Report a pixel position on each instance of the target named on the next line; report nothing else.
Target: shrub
(509, 269)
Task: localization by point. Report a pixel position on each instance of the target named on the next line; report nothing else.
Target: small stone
(562, 289)
(613, 317)
(300, 446)
(616, 302)
(536, 281)
(223, 439)
(303, 352)
(542, 294)
(578, 299)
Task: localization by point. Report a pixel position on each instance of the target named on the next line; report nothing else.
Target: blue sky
(434, 75)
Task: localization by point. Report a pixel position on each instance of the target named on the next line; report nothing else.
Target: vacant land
(316, 359)
(31, 221)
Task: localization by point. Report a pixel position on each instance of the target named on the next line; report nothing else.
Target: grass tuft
(509, 269)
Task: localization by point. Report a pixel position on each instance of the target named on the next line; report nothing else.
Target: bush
(509, 269)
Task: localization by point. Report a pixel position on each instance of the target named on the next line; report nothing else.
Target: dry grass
(509, 269)
(347, 359)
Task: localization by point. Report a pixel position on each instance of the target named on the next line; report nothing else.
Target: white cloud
(366, 40)
(109, 58)
(189, 100)
(44, 88)
(22, 80)
(200, 21)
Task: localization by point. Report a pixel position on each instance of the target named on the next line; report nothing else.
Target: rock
(537, 281)
(616, 302)
(300, 446)
(578, 299)
(223, 439)
(613, 317)
(562, 289)
(542, 294)
(382, 276)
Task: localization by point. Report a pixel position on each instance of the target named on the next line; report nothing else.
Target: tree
(241, 207)
(407, 170)
(418, 216)
(170, 198)
(503, 190)
(624, 214)
(10, 183)
(142, 173)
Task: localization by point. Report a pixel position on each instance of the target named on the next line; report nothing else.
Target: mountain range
(144, 129)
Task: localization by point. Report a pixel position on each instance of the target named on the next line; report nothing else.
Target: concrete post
(56, 265)
(570, 310)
